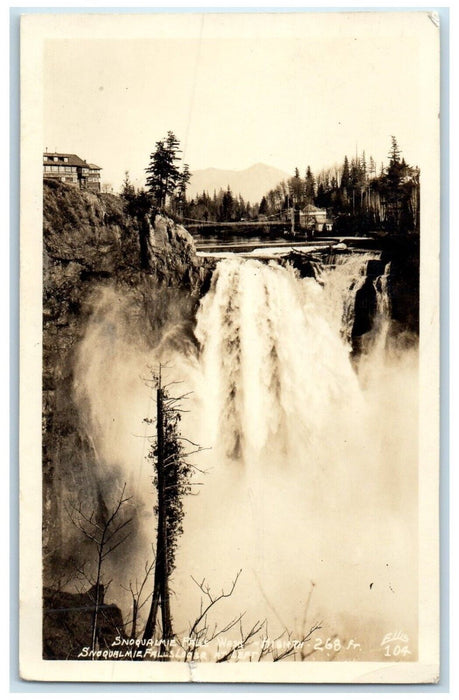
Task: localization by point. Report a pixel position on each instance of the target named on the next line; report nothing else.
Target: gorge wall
(92, 246)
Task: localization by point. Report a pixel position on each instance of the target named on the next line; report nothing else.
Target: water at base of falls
(312, 483)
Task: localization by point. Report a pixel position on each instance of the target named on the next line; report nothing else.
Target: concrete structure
(71, 169)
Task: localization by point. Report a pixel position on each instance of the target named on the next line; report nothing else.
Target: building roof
(311, 209)
(73, 159)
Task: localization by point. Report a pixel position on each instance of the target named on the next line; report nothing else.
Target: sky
(291, 93)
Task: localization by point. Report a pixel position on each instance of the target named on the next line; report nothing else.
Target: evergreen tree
(322, 198)
(397, 193)
(345, 176)
(309, 187)
(227, 206)
(263, 209)
(183, 180)
(394, 153)
(372, 168)
(163, 173)
(127, 188)
(363, 170)
(296, 189)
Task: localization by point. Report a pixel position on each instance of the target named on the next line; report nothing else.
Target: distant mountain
(251, 183)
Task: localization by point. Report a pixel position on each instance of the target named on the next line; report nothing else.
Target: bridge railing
(259, 222)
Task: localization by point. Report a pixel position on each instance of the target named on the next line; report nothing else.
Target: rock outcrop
(67, 624)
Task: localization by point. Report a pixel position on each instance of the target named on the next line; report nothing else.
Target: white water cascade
(276, 372)
(310, 483)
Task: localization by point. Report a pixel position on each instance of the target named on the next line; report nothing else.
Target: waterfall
(383, 306)
(342, 277)
(263, 332)
(311, 473)
(309, 485)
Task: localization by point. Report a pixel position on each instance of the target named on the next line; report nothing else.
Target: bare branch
(232, 623)
(291, 651)
(199, 632)
(166, 386)
(115, 546)
(100, 534)
(245, 639)
(193, 443)
(117, 530)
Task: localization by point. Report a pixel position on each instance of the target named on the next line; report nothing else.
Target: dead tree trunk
(161, 584)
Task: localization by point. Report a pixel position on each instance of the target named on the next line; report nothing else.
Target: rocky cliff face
(91, 244)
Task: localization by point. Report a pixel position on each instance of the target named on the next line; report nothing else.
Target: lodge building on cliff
(71, 169)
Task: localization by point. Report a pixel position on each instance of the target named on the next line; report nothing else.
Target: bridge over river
(243, 236)
(246, 236)
(240, 228)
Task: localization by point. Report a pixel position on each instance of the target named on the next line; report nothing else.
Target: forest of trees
(358, 195)
(222, 206)
(166, 187)
(355, 194)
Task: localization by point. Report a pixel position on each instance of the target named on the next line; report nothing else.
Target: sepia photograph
(229, 347)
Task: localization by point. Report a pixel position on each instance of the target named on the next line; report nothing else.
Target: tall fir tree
(345, 176)
(163, 175)
(309, 187)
